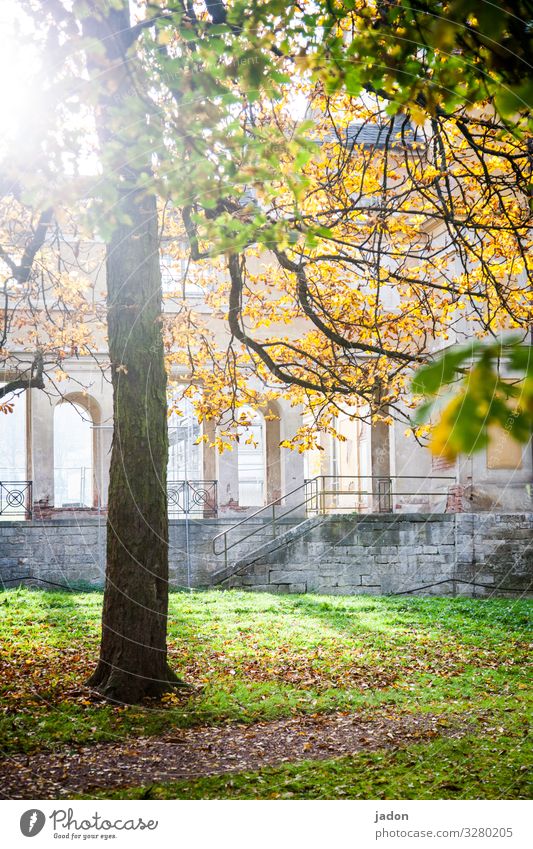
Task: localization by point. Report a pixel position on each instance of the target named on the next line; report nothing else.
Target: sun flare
(19, 75)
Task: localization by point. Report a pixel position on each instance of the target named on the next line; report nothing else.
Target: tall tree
(133, 655)
(87, 47)
(114, 104)
(399, 242)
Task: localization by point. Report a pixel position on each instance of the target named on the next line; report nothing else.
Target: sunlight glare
(18, 71)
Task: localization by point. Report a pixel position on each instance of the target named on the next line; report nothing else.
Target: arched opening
(251, 459)
(13, 456)
(73, 456)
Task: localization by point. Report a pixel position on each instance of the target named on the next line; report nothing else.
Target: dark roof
(376, 135)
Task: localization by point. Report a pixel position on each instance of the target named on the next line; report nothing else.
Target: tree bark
(133, 653)
(133, 659)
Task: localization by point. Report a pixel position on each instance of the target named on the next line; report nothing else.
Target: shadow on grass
(471, 619)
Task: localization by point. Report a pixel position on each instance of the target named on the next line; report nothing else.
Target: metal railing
(379, 493)
(270, 518)
(326, 494)
(192, 498)
(16, 499)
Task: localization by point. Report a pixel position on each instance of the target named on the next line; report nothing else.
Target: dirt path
(209, 751)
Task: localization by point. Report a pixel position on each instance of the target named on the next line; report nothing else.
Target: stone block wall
(64, 551)
(463, 554)
(448, 554)
(72, 552)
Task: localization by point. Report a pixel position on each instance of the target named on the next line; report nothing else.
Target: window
(73, 456)
(184, 455)
(176, 278)
(251, 458)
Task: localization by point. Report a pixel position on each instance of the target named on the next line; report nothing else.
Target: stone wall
(473, 554)
(465, 554)
(71, 551)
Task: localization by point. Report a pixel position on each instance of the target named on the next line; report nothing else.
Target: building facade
(61, 443)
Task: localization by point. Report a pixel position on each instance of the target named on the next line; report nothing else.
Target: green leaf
(429, 379)
(521, 358)
(423, 412)
(352, 81)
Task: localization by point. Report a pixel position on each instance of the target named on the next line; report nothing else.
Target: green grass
(259, 657)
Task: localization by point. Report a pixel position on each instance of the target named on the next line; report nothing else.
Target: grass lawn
(260, 657)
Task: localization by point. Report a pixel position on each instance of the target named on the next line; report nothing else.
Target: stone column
(380, 459)
(102, 441)
(42, 447)
(209, 469)
(292, 463)
(209, 452)
(273, 460)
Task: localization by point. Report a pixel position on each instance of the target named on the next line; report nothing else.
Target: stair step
(242, 563)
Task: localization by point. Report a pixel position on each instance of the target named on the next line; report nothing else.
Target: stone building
(59, 440)
(370, 514)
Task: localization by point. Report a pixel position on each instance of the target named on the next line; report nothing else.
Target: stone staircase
(259, 554)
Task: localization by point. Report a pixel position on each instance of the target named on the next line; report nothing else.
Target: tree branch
(34, 380)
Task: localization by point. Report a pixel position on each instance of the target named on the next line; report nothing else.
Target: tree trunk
(133, 654)
(133, 659)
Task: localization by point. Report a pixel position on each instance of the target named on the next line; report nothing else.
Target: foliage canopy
(344, 183)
